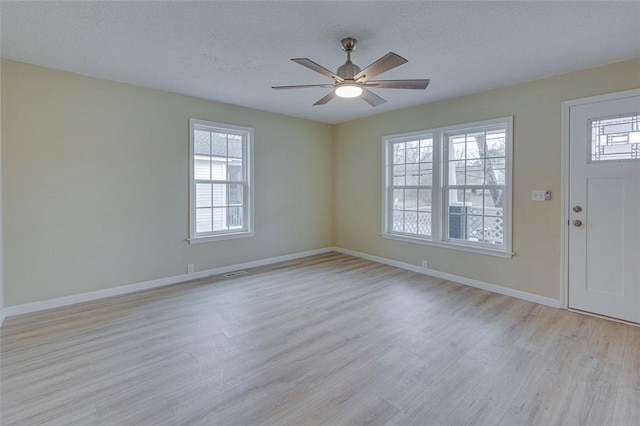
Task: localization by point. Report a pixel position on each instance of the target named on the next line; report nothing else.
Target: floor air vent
(235, 274)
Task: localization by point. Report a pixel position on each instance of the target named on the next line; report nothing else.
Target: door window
(615, 138)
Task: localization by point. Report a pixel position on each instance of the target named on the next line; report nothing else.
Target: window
(411, 186)
(615, 139)
(221, 193)
(451, 187)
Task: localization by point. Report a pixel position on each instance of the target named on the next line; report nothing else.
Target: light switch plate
(540, 195)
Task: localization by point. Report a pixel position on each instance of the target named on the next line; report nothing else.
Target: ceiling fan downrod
(348, 70)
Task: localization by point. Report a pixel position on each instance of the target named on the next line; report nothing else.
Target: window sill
(451, 246)
(220, 237)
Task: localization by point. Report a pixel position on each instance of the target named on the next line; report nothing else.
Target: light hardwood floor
(329, 339)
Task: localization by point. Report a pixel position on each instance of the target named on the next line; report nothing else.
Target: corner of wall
(333, 184)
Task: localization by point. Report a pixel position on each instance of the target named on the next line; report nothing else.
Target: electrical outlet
(425, 265)
(191, 268)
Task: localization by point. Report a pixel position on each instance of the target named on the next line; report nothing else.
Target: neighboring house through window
(221, 176)
(451, 187)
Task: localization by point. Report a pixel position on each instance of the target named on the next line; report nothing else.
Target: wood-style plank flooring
(326, 340)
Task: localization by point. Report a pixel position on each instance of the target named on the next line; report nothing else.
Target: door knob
(577, 209)
(577, 223)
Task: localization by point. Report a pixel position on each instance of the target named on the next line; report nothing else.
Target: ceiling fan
(350, 81)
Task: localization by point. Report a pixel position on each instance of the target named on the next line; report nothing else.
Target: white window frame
(439, 216)
(247, 134)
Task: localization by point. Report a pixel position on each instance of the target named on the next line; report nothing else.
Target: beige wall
(96, 192)
(96, 184)
(535, 107)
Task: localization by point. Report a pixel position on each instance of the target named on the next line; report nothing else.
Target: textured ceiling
(234, 52)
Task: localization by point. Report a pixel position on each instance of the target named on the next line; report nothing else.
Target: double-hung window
(221, 176)
(450, 187)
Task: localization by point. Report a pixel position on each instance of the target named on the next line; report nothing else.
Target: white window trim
(249, 195)
(438, 239)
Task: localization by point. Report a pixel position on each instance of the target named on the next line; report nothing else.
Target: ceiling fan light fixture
(348, 90)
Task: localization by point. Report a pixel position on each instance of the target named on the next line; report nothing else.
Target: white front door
(604, 197)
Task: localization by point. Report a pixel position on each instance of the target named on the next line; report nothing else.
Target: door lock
(577, 223)
(577, 209)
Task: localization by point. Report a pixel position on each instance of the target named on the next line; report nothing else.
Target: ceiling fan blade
(326, 99)
(398, 84)
(302, 86)
(387, 62)
(371, 98)
(317, 68)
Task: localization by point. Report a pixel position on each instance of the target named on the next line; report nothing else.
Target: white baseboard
(146, 285)
(455, 278)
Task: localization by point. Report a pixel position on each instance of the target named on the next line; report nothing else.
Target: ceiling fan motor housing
(348, 70)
